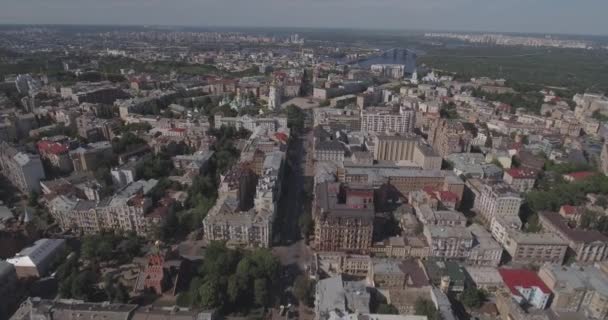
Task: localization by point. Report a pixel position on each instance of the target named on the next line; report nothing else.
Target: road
(289, 246)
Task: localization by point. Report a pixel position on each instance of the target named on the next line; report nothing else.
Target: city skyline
(518, 16)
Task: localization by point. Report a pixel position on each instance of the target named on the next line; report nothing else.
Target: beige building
(529, 247)
(577, 289)
(407, 148)
(589, 245)
(449, 136)
(405, 180)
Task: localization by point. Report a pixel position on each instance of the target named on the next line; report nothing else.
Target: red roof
(581, 175)
(514, 278)
(568, 209)
(46, 146)
(281, 136)
(519, 173)
(448, 196)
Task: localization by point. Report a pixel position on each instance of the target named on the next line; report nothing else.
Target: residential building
(498, 200)
(343, 226)
(589, 246)
(449, 136)
(36, 261)
(486, 251)
(448, 241)
(332, 150)
(88, 157)
(226, 222)
(57, 155)
(576, 288)
(127, 210)
(520, 179)
(526, 286)
(23, 170)
(428, 216)
(382, 120)
(393, 71)
(528, 247)
(604, 159)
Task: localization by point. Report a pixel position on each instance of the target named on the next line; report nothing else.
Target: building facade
(23, 170)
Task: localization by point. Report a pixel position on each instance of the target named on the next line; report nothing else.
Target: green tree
(260, 289)
(83, 285)
(210, 294)
(473, 297)
(425, 307)
(303, 289)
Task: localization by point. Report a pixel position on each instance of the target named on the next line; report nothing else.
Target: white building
(36, 261)
(381, 120)
(274, 97)
(498, 200)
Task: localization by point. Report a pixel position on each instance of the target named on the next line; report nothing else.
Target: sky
(538, 16)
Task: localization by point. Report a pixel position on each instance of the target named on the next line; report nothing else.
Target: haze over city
(542, 16)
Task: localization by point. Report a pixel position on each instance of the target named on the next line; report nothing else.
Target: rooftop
(522, 278)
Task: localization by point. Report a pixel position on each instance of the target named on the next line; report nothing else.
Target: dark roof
(578, 235)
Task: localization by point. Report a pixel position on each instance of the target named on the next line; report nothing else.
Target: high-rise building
(274, 97)
(23, 170)
(604, 159)
(343, 226)
(449, 136)
(381, 120)
(498, 200)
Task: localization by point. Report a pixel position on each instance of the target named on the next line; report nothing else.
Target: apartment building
(520, 179)
(589, 245)
(226, 222)
(449, 136)
(127, 210)
(498, 200)
(486, 251)
(88, 157)
(381, 120)
(448, 241)
(23, 170)
(343, 226)
(56, 153)
(528, 247)
(582, 289)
